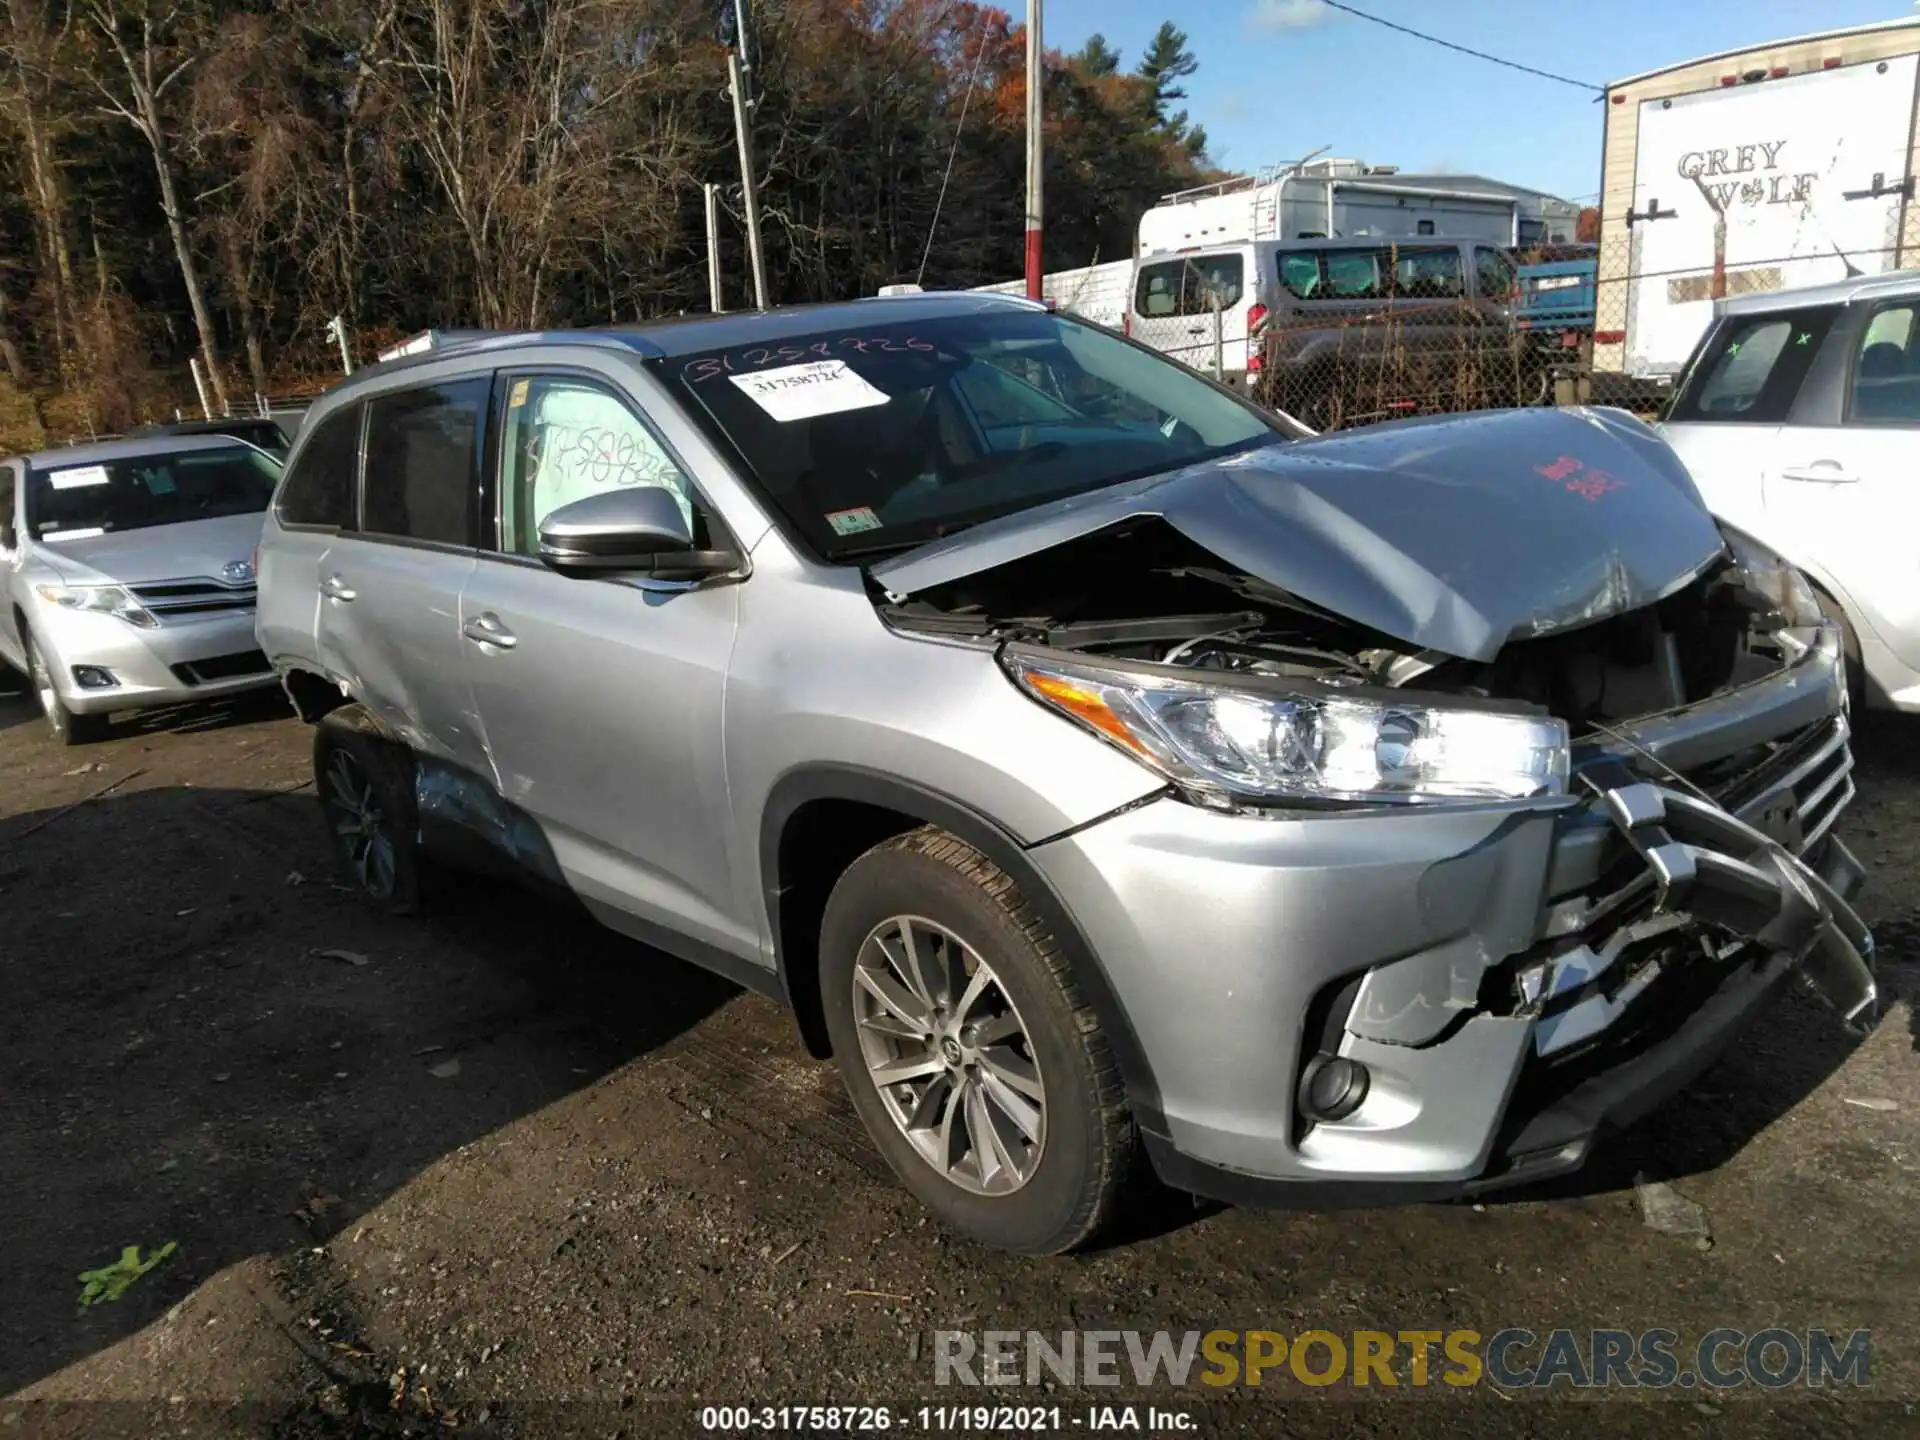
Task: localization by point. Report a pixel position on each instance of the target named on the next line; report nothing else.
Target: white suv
(1799, 416)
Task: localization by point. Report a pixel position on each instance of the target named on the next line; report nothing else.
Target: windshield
(883, 436)
(76, 502)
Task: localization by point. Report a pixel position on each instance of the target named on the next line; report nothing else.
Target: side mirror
(637, 528)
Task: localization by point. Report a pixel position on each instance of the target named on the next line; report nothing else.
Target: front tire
(64, 725)
(973, 1058)
(365, 782)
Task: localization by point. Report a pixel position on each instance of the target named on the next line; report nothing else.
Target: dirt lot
(500, 1172)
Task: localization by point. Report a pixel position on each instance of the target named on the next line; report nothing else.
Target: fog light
(94, 677)
(1332, 1088)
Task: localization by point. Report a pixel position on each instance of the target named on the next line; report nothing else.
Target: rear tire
(365, 782)
(998, 1102)
(66, 727)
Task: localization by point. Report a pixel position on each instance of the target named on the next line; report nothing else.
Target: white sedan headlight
(1223, 745)
(100, 600)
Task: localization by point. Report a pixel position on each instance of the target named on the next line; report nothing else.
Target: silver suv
(128, 574)
(1097, 771)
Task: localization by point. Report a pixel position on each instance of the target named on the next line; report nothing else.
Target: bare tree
(517, 114)
(33, 45)
(144, 49)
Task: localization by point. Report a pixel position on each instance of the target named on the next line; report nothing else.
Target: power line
(973, 75)
(1462, 49)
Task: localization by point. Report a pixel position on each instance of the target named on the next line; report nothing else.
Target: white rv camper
(1770, 168)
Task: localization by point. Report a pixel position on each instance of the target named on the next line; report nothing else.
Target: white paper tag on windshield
(88, 533)
(800, 392)
(78, 476)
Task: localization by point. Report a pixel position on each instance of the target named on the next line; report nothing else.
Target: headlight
(1221, 744)
(1778, 580)
(100, 599)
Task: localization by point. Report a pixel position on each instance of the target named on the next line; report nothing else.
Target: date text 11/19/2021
(946, 1419)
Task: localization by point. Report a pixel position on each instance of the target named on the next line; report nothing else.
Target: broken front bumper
(1515, 978)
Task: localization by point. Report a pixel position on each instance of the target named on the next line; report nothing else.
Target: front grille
(196, 595)
(1806, 778)
(222, 667)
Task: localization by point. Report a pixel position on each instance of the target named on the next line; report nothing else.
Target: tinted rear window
(1400, 272)
(422, 445)
(321, 483)
(1749, 368)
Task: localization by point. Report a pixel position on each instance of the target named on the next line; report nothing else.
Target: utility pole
(199, 385)
(736, 80)
(738, 70)
(337, 330)
(1036, 66)
(716, 298)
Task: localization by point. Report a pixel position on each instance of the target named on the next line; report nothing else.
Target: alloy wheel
(360, 824)
(945, 1046)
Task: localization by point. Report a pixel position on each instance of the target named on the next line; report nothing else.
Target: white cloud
(1292, 14)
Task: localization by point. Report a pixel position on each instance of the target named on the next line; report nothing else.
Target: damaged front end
(1643, 728)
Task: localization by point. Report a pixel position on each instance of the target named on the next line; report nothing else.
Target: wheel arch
(820, 818)
(312, 694)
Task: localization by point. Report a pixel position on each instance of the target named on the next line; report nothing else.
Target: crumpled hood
(1456, 533)
(157, 552)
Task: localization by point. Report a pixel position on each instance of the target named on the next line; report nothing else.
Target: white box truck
(1770, 168)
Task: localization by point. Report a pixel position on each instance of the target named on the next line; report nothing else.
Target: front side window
(422, 445)
(325, 475)
(74, 502)
(1192, 286)
(1750, 367)
(7, 541)
(1886, 370)
(567, 439)
(884, 436)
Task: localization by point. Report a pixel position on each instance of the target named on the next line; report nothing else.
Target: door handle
(1820, 472)
(486, 629)
(334, 588)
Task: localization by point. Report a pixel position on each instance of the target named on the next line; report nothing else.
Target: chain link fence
(1350, 332)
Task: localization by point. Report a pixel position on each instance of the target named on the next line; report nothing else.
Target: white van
(1200, 306)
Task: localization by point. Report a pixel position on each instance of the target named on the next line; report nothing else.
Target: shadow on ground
(183, 1059)
(18, 707)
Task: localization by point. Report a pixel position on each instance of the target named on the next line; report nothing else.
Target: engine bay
(1144, 593)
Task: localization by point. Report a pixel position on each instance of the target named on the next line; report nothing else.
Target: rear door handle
(486, 629)
(1820, 472)
(334, 588)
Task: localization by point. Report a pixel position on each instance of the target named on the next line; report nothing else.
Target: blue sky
(1279, 78)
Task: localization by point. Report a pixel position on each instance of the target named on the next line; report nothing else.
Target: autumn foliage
(195, 177)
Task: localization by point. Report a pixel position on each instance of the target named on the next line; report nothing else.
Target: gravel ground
(501, 1172)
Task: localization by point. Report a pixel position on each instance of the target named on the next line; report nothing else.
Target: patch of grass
(110, 1282)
